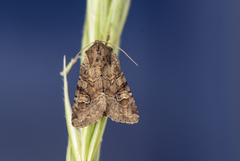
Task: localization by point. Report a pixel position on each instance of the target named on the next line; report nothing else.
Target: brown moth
(102, 89)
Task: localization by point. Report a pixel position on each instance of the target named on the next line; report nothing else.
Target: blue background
(187, 85)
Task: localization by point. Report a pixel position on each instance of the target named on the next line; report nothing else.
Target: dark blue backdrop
(187, 85)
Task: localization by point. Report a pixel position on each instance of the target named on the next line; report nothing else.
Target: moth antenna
(77, 55)
(123, 52)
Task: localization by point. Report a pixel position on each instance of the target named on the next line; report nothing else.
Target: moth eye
(97, 59)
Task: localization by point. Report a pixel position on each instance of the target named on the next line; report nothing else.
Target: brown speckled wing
(121, 106)
(89, 101)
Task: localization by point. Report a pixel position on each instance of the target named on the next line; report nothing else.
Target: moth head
(99, 54)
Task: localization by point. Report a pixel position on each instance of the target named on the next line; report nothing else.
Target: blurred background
(187, 85)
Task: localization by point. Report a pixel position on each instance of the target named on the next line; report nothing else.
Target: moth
(102, 89)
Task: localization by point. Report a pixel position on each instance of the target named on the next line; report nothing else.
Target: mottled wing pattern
(89, 101)
(121, 106)
(102, 90)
